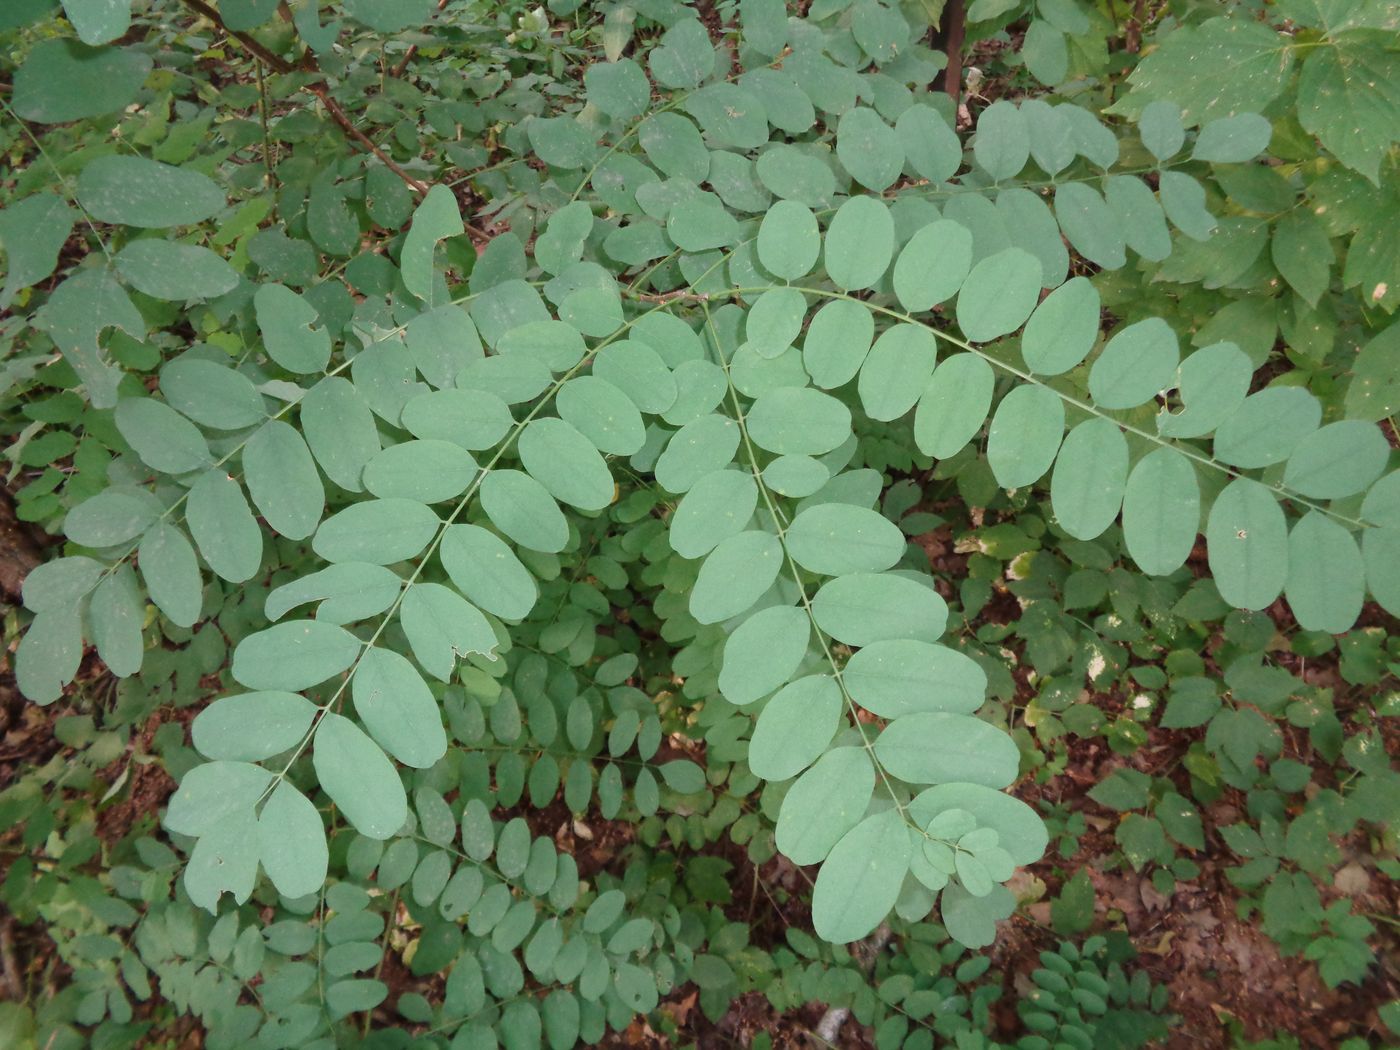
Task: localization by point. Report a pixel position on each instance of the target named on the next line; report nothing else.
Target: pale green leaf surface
(860, 880)
(825, 803)
(283, 481)
(734, 576)
(379, 531)
(1025, 435)
(1086, 488)
(1326, 581)
(359, 778)
(524, 510)
(1161, 511)
(897, 677)
(223, 527)
(397, 708)
(999, 295)
(763, 653)
(1247, 544)
(863, 608)
(834, 539)
(250, 727)
(936, 747)
(896, 371)
(954, 406)
(428, 470)
(164, 439)
(795, 726)
(293, 656)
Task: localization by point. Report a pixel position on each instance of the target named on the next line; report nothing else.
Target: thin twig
(397, 71)
(318, 88)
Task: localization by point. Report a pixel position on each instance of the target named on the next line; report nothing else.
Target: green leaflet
(111, 517)
(211, 395)
(63, 80)
(862, 608)
(174, 271)
(619, 89)
(1086, 488)
(788, 240)
(223, 526)
(1381, 550)
(294, 655)
(972, 920)
(868, 148)
(286, 321)
(1340, 459)
(61, 583)
(1002, 143)
(954, 406)
(250, 727)
(1063, 328)
(171, 572)
(397, 708)
(164, 439)
(1025, 435)
(936, 747)
(339, 428)
(1161, 511)
(224, 860)
(933, 265)
(795, 476)
(379, 531)
(837, 341)
(1090, 225)
(859, 881)
(283, 481)
(931, 146)
(1338, 101)
(859, 243)
(427, 470)
(1136, 364)
(563, 460)
(998, 295)
(734, 576)
(359, 778)
(835, 538)
(1213, 383)
(1247, 542)
(795, 726)
(442, 342)
(1019, 829)
(763, 653)
(33, 231)
(435, 219)
(824, 803)
(895, 677)
(474, 419)
(1267, 427)
(896, 371)
(114, 616)
(715, 508)
(524, 510)
(346, 592)
(797, 421)
(442, 627)
(135, 191)
(209, 794)
(486, 570)
(292, 842)
(639, 372)
(602, 413)
(1326, 580)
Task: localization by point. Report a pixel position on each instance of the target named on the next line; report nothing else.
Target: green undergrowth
(474, 432)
